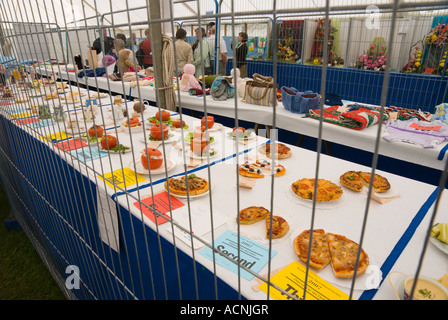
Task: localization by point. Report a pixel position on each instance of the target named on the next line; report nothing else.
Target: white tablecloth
(365, 139)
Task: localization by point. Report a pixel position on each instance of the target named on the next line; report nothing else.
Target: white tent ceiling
(119, 13)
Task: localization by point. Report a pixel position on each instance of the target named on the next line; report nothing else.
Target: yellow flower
(434, 37)
(417, 64)
(442, 64)
(419, 55)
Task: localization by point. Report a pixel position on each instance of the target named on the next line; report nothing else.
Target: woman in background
(241, 53)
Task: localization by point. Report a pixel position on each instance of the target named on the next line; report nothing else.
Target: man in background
(222, 51)
(108, 43)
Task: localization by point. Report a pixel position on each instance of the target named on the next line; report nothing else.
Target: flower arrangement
(415, 62)
(320, 31)
(284, 52)
(317, 51)
(438, 36)
(374, 59)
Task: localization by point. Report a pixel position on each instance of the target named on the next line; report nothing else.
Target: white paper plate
(327, 205)
(171, 164)
(439, 244)
(216, 127)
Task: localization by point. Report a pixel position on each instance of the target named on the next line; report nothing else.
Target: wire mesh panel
(155, 150)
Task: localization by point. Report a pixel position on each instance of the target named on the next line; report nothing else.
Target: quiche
(334, 249)
(196, 185)
(281, 150)
(252, 214)
(280, 227)
(352, 180)
(380, 183)
(344, 252)
(320, 254)
(326, 190)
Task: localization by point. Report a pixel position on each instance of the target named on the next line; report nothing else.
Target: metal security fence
(135, 181)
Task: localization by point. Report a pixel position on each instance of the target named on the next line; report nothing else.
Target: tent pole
(156, 48)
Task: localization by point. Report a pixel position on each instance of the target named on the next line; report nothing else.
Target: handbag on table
(221, 89)
(299, 102)
(261, 91)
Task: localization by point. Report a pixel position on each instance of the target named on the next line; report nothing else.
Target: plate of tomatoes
(211, 124)
(163, 115)
(152, 162)
(241, 133)
(178, 124)
(161, 132)
(132, 124)
(109, 143)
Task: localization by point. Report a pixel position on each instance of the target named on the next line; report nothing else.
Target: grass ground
(23, 275)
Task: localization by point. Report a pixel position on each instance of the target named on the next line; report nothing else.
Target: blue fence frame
(413, 91)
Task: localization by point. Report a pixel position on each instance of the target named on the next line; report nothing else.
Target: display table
(87, 206)
(365, 139)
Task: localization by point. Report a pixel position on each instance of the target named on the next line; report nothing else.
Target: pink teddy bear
(189, 81)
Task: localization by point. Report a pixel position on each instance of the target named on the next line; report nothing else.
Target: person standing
(108, 43)
(184, 51)
(131, 43)
(241, 53)
(203, 58)
(222, 51)
(146, 47)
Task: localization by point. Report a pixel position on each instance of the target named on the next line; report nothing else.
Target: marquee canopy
(119, 13)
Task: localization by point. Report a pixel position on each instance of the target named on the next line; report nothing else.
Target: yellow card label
(291, 279)
(122, 178)
(55, 137)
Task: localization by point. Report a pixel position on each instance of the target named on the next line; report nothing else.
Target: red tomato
(157, 129)
(154, 156)
(96, 131)
(198, 145)
(178, 124)
(133, 122)
(210, 121)
(108, 142)
(165, 115)
(199, 133)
